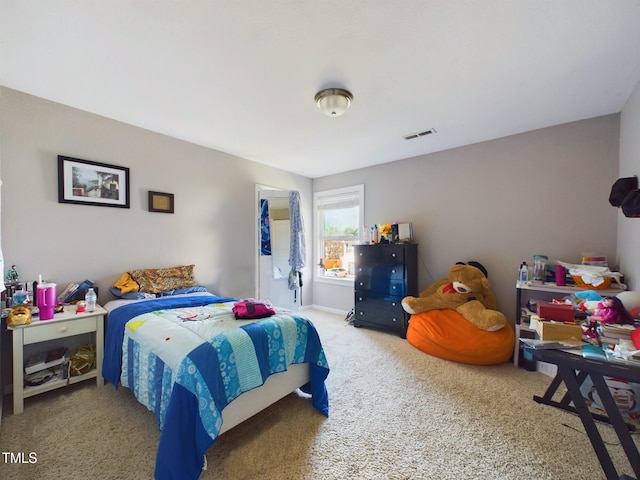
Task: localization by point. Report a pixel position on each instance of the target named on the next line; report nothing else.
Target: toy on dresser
(20, 315)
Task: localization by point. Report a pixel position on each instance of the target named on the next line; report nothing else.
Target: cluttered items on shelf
(539, 344)
(592, 274)
(609, 323)
(46, 366)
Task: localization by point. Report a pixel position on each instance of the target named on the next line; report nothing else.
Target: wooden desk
(573, 369)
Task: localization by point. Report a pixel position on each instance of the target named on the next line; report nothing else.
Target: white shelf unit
(64, 325)
(548, 289)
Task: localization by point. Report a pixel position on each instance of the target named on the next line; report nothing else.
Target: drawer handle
(62, 329)
(360, 299)
(394, 319)
(393, 304)
(393, 254)
(393, 271)
(394, 287)
(361, 284)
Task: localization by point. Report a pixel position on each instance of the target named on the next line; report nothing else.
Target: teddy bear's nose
(461, 287)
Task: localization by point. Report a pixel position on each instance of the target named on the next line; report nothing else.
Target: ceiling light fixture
(333, 102)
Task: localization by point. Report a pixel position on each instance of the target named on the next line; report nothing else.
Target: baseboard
(329, 310)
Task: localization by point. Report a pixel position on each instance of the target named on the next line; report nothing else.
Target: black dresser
(385, 274)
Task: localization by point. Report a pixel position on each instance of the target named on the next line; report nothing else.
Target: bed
(201, 371)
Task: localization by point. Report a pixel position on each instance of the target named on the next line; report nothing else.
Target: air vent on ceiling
(420, 134)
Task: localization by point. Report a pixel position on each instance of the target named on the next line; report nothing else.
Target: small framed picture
(84, 182)
(160, 202)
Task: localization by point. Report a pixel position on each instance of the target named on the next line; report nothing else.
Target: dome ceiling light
(333, 102)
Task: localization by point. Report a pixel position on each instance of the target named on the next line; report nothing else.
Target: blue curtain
(265, 232)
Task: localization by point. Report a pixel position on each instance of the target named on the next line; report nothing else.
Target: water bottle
(524, 272)
(91, 298)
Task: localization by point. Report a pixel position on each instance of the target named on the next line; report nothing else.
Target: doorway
(273, 235)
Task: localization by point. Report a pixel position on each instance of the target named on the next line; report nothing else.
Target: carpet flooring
(395, 413)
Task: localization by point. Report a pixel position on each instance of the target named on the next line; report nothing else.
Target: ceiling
(241, 76)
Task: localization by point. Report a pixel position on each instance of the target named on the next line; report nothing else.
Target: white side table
(64, 324)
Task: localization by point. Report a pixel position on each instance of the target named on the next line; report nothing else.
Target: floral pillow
(158, 280)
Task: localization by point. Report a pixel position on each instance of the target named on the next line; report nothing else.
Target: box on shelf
(549, 330)
(46, 360)
(556, 311)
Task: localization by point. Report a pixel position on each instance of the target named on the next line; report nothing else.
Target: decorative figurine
(12, 275)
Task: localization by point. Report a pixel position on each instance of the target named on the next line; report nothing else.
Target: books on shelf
(616, 331)
(597, 260)
(49, 359)
(68, 291)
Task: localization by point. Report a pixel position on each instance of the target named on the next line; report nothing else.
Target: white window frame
(323, 197)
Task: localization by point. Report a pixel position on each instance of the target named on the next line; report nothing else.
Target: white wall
(629, 228)
(497, 202)
(214, 221)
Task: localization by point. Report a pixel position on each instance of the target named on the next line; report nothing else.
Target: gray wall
(214, 221)
(498, 202)
(629, 228)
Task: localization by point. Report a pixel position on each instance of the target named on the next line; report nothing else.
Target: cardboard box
(556, 311)
(548, 330)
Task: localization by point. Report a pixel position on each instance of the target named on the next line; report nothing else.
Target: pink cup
(560, 276)
(46, 300)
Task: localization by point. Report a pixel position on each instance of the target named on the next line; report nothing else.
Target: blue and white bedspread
(186, 358)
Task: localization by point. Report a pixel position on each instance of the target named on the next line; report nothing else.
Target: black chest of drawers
(385, 274)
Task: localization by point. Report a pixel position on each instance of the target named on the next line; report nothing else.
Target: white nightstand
(63, 325)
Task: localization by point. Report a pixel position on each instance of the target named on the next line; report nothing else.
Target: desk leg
(18, 372)
(615, 417)
(569, 377)
(565, 402)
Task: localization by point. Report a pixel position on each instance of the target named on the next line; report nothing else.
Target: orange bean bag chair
(446, 334)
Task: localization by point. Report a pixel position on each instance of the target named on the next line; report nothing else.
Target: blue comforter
(186, 359)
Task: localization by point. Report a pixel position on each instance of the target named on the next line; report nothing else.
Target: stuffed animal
(466, 290)
(631, 302)
(19, 316)
(612, 310)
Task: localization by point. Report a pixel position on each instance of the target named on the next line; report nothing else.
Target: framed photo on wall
(84, 182)
(160, 202)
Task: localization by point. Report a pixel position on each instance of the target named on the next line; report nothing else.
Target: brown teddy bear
(19, 316)
(466, 290)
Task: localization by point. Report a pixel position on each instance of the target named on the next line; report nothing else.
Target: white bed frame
(254, 401)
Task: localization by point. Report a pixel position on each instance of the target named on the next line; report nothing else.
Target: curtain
(265, 231)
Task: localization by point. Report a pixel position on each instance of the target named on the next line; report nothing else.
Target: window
(339, 216)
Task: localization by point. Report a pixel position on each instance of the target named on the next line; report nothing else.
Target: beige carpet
(396, 413)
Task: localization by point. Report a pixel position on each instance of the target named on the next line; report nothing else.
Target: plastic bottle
(91, 298)
(524, 272)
